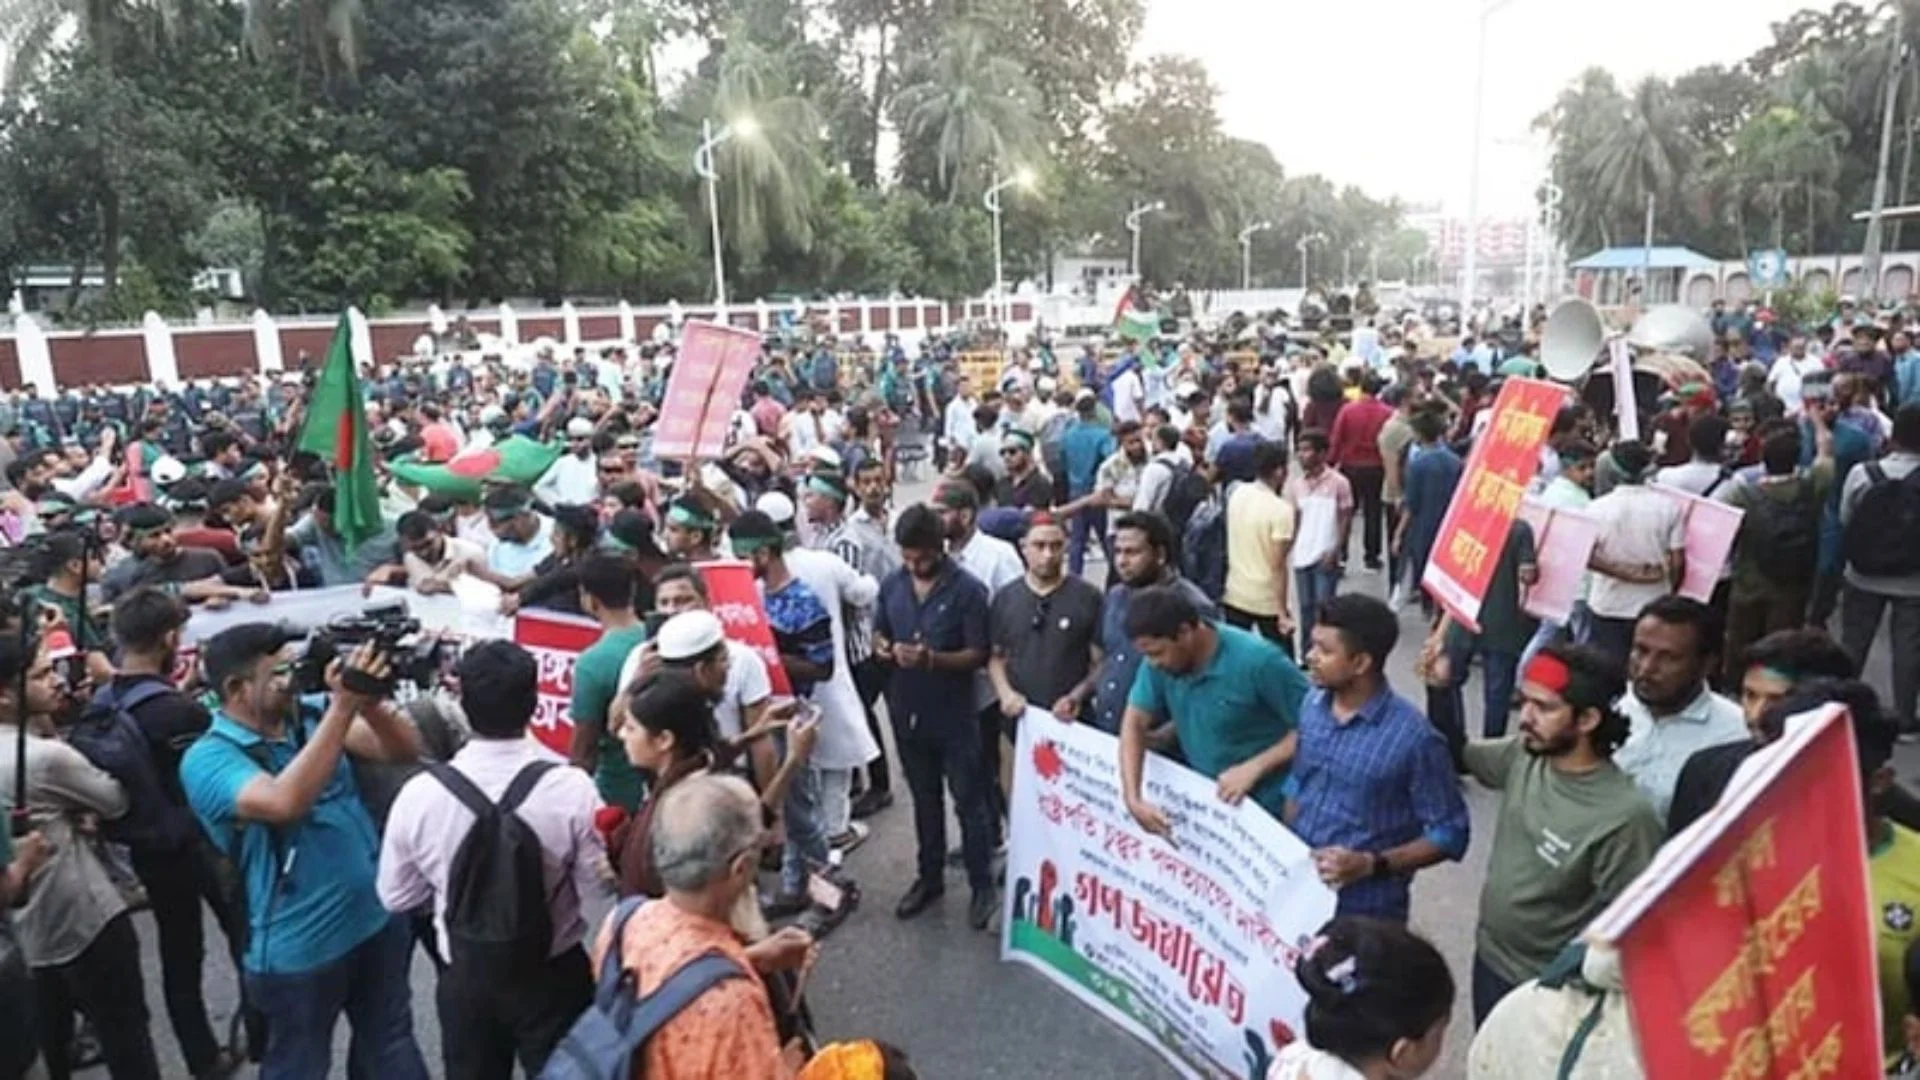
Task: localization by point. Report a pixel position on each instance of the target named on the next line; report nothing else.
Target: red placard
(710, 372)
(556, 642)
(1503, 462)
(1747, 946)
(743, 616)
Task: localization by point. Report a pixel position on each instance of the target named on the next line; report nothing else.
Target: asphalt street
(938, 989)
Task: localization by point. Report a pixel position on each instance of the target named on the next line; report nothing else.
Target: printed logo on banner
(1189, 947)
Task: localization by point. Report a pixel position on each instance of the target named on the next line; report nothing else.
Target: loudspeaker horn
(1571, 340)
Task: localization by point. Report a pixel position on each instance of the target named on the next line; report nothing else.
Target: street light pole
(703, 164)
(1471, 265)
(1139, 211)
(1020, 178)
(1870, 258)
(1303, 244)
(1246, 251)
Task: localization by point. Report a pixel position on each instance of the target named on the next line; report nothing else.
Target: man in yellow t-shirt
(1893, 870)
(1259, 539)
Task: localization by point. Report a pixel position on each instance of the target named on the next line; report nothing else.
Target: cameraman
(270, 784)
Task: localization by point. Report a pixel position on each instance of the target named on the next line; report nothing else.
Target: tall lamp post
(1022, 178)
(1139, 211)
(1246, 251)
(1304, 244)
(703, 164)
(1470, 269)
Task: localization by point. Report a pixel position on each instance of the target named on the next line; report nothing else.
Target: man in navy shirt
(931, 625)
(1374, 792)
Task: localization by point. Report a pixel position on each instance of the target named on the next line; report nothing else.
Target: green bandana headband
(507, 513)
(821, 485)
(745, 546)
(1022, 439)
(688, 518)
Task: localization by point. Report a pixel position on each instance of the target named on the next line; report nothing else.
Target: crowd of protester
(1154, 542)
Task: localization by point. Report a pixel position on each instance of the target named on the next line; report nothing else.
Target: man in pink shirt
(1323, 515)
(1354, 449)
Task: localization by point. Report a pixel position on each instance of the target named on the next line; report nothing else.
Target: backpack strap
(612, 971)
(681, 989)
(462, 788)
(1726, 473)
(523, 785)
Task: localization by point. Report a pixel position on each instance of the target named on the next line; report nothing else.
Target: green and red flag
(336, 430)
(1132, 323)
(515, 460)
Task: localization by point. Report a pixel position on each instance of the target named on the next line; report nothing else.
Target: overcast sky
(1380, 92)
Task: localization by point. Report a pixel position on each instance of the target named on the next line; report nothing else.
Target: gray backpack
(602, 1043)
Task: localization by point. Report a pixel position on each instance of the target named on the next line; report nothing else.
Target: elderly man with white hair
(707, 835)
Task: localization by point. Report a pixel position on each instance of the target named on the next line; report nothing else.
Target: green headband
(688, 518)
(745, 546)
(1021, 437)
(507, 513)
(820, 485)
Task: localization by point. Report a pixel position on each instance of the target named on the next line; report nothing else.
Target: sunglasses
(1010, 451)
(1040, 615)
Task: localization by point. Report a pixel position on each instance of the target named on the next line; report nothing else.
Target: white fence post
(509, 325)
(266, 342)
(359, 337)
(36, 358)
(162, 366)
(570, 323)
(626, 322)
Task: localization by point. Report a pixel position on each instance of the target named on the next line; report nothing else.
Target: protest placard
(709, 374)
(1711, 528)
(1189, 948)
(743, 616)
(1503, 462)
(1563, 541)
(556, 642)
(1747, 946)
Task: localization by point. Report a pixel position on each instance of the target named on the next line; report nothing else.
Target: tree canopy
(387, 152)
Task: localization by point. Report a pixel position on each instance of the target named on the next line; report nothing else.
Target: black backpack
(1186, 492)
(497, 917)
(1879, 540)
(1203, 544)
(107, 735)
(1782, 536)
(601, 1044)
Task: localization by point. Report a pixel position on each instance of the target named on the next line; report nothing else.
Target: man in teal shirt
(606, 595)
(1233, 699)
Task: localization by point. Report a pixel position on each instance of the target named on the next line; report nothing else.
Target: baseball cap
(688, 634)
(579, 428)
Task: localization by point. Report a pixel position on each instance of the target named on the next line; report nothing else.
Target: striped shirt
(1377, 781)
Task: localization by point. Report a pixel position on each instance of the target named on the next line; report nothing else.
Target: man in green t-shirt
(606, 594)
(1573, 830)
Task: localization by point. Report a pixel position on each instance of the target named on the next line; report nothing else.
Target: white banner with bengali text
(1189, 946)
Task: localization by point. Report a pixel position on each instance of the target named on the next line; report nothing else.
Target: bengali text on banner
(1504, 460)
(1189, 946)
(710, 372)
(1747, 946)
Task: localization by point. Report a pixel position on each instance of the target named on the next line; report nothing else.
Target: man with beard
(1044, 628)
(1024, 485)
(430, 560)
(571, 480)
(158, 559)
(1673, 712)
(691, 529)
(1573, 830)
(1143, 558)
(931, 625)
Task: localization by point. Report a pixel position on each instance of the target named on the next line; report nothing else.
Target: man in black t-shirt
(146, 625)
(1044, 628)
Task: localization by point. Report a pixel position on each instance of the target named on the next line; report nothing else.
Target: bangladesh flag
(336, 429)
(517, 460)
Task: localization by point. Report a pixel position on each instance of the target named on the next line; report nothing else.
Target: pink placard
(1711, 528)
(1563, 542)
(709, 374)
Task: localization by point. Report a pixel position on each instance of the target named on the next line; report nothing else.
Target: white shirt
(473, 528)
(512, 559)
(845, 742)
(747, 685)
(1656, 750)
(1129, 393)
(428, 823)
(995, 563)
(1787, 376)
(1270, 423)
(570, 481)
(1638, 526)
(455, 556)
(959, 428)
(89, 480)
(1156, 481)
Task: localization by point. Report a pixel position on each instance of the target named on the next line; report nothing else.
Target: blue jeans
(371, 985)
(1574, 631)
(1085, 523)
(1497, 682)
(1313, 585)
(805, 821)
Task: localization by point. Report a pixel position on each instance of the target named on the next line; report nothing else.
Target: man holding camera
(271, 785)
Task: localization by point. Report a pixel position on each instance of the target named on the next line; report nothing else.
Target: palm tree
(326, 32)
(1645, 153)
(975, 104)
(1783, 153)
(769, 180)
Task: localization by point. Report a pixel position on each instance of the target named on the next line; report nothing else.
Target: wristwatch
(1382, 866)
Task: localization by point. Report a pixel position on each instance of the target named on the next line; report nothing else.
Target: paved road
(937, 988)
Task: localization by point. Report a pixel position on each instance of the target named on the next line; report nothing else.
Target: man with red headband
(1573, 829)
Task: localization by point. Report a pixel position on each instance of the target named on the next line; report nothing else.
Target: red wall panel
(206, 354)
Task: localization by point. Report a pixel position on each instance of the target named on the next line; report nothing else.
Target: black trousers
(19, 1036)
(176, 883)
(103, 983)
(869, 679)
(485, 1028)
(1267, 626)
(990, 722)
(1489, 988)
(1366, 481)
(937, 757)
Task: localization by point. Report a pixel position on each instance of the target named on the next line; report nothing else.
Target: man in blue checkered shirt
(1373, 788)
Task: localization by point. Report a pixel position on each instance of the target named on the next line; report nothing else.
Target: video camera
(414, 657)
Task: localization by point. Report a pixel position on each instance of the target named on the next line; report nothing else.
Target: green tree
(971, 108)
